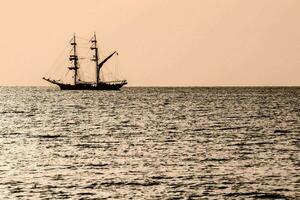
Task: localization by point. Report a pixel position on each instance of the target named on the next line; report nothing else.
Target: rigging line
(84, 74)
(118, 71)
(114, 75)
(62, 76)
(82, 38)
(67, 73)
(87, 75)
(87, 68)
(83, 46)
(117, 66)
(54, 70)
(57, 59)
(71, 50)
(109, 73)
(83, 58)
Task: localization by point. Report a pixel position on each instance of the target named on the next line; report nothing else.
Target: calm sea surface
(150, 143)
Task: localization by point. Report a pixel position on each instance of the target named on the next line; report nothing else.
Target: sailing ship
(79, 84)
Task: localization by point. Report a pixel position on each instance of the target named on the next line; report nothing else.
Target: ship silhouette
(79, 84)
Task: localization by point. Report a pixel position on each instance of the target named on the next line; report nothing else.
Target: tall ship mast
(79, 84)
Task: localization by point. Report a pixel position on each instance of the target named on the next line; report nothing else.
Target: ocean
(150, 143)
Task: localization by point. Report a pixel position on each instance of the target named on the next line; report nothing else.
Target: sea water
(150, 143)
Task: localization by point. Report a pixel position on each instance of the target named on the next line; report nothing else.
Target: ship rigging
(79, 84)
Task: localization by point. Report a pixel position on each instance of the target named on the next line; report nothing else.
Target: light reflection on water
(150, 143)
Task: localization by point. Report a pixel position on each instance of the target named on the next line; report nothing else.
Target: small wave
(216, 159)
(170, 141)
(199, 129)
(49, 136)
(232, 128)
(159, 177)
(85, 194)
(122, 183)
(91, 146)
(133, 183)
(97, 165)
(282, 131)
(258, 195)
(91, 186)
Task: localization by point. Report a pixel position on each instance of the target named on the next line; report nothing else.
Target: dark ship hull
(115, 85)
(86, 86)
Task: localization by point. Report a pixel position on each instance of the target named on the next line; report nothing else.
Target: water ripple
(150, 143)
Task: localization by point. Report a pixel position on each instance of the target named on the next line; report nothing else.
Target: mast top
(94, 39)
(74, 41)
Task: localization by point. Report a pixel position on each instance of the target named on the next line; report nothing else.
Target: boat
(79, 84)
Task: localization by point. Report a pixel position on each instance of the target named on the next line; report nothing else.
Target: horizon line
(167, 86)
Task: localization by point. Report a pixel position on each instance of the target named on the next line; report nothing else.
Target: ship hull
(113, 85)
(101, 86)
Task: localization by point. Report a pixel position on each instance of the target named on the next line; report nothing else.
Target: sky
(160, 42)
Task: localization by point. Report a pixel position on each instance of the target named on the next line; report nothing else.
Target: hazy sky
(161, 42)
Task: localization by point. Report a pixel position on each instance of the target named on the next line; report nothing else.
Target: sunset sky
(160, 42)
